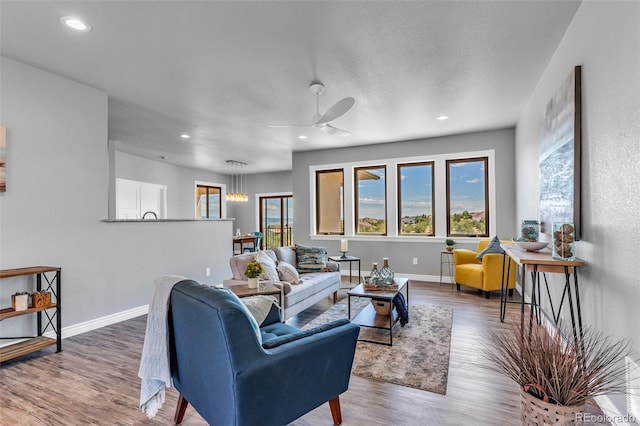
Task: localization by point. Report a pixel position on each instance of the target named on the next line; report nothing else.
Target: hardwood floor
(94, 381)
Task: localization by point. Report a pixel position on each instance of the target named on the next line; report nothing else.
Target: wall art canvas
(559, 156)
(3, 159)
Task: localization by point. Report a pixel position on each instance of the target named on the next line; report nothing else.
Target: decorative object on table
(529, 245)
(253, 271)
(374, 275)
(20, 301)
(529, 230)
(559, 155)
(386, 273)
(557, 376)
(449, 243)
(564, 241)
(40, 299)
(344, 248)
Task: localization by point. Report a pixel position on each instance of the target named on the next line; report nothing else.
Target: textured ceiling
(223, 71)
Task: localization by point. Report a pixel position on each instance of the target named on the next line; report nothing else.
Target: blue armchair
(219, 366)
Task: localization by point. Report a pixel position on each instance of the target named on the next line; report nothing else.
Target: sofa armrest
(333, 266)
(285, 286)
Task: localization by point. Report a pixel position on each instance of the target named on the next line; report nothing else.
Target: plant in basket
(557, 375)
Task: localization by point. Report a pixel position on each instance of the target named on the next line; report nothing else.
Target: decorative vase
(374, 275)
(530, 230)
(536, 412)
(253, 282)
(386, 273)
(564, 241)
(20, 302)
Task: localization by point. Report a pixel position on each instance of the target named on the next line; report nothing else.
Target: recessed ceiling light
(302, 137)
(75, 24)
(442, 117)
(185, 136)
(162, 157)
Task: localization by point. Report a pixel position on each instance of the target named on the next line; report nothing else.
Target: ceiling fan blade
(340, 108)
(279, 126)
(334, 131)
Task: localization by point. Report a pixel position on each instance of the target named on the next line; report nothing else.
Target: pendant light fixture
(237, 191)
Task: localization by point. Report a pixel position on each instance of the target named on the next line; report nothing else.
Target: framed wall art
(559, 155)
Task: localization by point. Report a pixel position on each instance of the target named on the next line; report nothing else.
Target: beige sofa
(313, 286)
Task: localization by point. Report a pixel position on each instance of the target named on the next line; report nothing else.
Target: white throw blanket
(155, 370)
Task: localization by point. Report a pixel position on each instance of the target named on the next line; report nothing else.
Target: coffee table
(368, 317)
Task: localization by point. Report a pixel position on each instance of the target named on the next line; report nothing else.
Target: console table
(35, 343)
(537, 262)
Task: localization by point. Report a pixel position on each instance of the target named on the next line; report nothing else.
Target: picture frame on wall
(3, 159)
(559, 155)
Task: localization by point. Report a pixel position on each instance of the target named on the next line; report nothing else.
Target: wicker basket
(381, 307)
(41, 299)
(536, 412)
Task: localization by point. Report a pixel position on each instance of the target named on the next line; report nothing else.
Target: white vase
(253, 282)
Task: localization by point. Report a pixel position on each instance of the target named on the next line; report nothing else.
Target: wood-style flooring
(94, 381)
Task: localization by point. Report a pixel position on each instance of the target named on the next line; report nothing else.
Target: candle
(344, 245)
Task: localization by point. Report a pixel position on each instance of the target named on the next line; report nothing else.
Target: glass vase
(386, 273)
(564, 241)
(530, 230)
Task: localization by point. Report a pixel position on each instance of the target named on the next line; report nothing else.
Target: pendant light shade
(236, 190)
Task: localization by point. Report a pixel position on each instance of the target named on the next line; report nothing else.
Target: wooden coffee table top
(359, 291)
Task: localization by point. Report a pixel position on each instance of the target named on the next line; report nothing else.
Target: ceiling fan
(321, 121)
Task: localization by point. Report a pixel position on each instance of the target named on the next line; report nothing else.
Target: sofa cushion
(268, 265)
(311, 259)
(286, 254)
(287, 338)
(287, 272)
(310, 284)
(492, 247)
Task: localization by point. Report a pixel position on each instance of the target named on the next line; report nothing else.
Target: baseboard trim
(94, 324)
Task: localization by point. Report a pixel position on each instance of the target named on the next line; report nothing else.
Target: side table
(243, 290)
(348, 259)
(446, 263)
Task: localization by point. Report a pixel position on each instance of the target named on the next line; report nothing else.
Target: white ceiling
(221, 71)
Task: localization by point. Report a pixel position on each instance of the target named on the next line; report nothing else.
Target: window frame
(223, 196)
(356, 199)
(486, 195)
(399, 167)
(316, 193)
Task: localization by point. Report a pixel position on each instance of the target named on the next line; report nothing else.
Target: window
(415, 199)
(371, 200)
(276, 221)
(467, 198)
(330, 202)
(208, 205)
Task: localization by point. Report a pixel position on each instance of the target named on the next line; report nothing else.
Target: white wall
(604, 37)
(56, 199)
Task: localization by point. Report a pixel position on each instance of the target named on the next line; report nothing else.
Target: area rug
(419, 357)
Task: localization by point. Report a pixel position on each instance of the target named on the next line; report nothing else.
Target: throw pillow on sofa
(492, 247)
(268, 265)
(311, 259)
(287, 272)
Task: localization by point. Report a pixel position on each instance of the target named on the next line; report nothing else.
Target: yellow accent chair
(485, 275)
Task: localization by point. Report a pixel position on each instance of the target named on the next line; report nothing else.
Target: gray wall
(51, 214)
(401, 251)
(610, 288)
(179, 181)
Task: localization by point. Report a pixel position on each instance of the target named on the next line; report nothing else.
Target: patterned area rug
(419, 357)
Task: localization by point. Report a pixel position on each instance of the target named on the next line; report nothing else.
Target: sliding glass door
(276, 221)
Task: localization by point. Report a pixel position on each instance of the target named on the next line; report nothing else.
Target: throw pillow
(259, 306)
(311, 259)
(252, 320)
(287, 272)
(268, 265)
(492, 247)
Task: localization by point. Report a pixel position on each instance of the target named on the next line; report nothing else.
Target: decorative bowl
(530, 245)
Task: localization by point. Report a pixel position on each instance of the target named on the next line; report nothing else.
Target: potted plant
(557, 376)
(253, 271)
(449, 243)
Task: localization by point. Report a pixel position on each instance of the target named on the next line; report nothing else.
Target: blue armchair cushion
(299, 334)
(492, 247)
